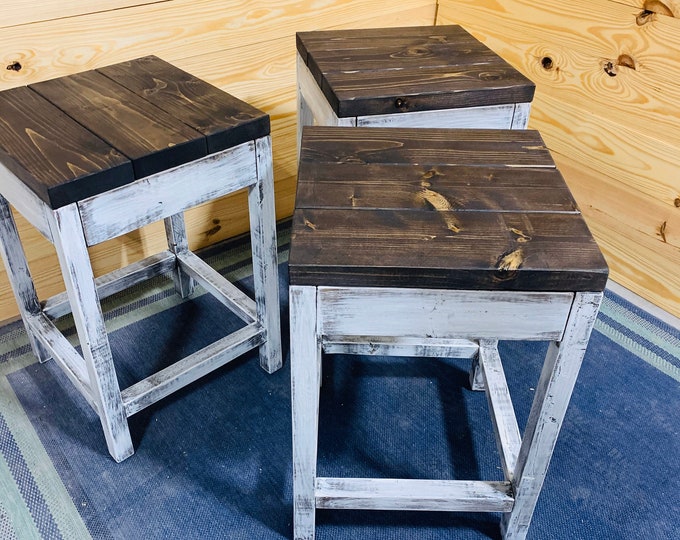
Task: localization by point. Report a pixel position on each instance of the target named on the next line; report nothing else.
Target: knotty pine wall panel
(607, 106)
(245, 47)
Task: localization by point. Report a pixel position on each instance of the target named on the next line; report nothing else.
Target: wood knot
(510, 261)
(14, 66)
(547, 63)
(612, 68)
(310, 224)
(676, 202)
(650, 9)
(662, 231)
(521, 237)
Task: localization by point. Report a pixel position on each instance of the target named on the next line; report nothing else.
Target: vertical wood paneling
(606, 105)
(246, 48)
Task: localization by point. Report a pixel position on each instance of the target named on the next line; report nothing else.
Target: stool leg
(560, 369)
(265, 266)
(82, 293)
(175, 232)
(19, 275)
(305, 364)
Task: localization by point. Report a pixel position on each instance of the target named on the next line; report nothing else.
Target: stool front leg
(71, 247)
(305, 364)
(265, 259)
(19, 275)
(553, 392)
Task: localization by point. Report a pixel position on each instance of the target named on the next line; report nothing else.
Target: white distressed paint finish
(485, 117)
(71, 247)
(19, 275)
(502, 413)
(400, 346)
(305, 365)
(553, 392)
(475, 377)
(224, 291)
(407, 494)
(263, 243)
(183, 372)
(313, 107)
(375, 311)
(27, 203)
(63, 353)
(169, 192)
(520, 119)
(116, 281)
(176, 234)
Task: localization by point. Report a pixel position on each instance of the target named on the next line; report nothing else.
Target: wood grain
(21, 12)
(615, 134)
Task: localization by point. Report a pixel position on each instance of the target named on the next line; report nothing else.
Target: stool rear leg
(264, 249)
(553, 392)
(175, 232)
(82, 293)
(19, 275)
(305, 364)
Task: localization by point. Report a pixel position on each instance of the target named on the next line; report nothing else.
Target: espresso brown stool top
(438, 243)
(94, 155)
(428, 76)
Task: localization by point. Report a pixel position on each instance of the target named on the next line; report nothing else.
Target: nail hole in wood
(400, 103)
(14, 66)
(547, 62)
(610, 69)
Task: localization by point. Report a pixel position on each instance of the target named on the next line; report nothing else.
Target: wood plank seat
(438, 243)
(94, 155)
(427, 76)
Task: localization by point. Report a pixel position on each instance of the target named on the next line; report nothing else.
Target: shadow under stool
(95, 155)
(423, 76)
(437, 243)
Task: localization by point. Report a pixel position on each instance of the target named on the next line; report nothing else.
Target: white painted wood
(63, 353)
(19, 275)
(25, 201)
(169, 192)
(520, 119)
(475, 377)
(212, 281)
(305, 365)
(265, 259)
(191, 368)
(116, 281)
(176, 234)
(551, 399)
(82, 293)
(317, 110)
(442, 313)
(502, 413)
(400, 346)
(486, 117)
(401, 494)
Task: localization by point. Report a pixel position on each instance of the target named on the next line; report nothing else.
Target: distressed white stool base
(389, 320)
(165, 195)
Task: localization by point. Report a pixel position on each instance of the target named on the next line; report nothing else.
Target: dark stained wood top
(83, 134)
(391, 70)
(395, 207)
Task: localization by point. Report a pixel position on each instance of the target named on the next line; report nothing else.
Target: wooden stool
(95, 155)
(430, 76)
(412, 242)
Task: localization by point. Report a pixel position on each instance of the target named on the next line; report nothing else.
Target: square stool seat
(438, 243)
(92, 156)
(427, 76)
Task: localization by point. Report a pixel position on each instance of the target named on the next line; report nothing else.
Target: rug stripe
(638, 350)
(19, 519)
(47, 498)
(645, 329)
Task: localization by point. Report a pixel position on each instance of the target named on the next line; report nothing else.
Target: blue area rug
(214, 460)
